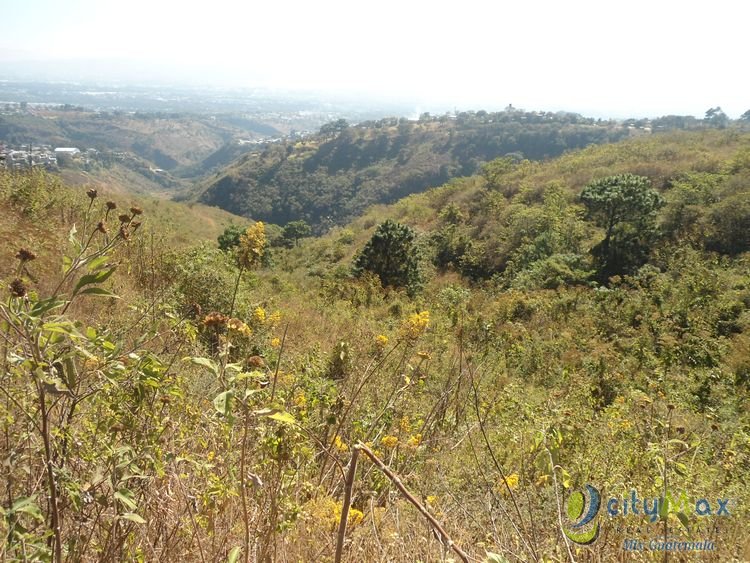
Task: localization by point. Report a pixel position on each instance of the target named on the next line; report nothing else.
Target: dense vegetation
(209, 413)
(333, 177)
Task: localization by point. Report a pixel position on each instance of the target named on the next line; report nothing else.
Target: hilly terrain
(487, 350)
(168, 141)
(331, 178)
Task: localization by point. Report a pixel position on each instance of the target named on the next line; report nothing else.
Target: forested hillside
(486, 350)
(333, 177)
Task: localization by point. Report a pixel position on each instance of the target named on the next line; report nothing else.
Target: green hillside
(480, 340)
(332, 178)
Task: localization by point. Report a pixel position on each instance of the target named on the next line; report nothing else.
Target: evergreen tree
(625, 206)
(392, 255)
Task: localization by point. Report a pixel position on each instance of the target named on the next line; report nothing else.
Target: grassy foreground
(187, 404)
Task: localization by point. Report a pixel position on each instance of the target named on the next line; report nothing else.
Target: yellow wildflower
(404, 424)
(415, 325)
(274, 318)
(381, 341)
(252, 245)
(355, 517)
(512, 480)
(432, 500)
(340, 445)
(240, 327)
(389, 441)
(259, 315)
(300, 400)
(275, 342)
(327, 511)
(415, 441)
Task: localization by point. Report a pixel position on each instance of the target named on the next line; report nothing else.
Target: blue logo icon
(583, 508)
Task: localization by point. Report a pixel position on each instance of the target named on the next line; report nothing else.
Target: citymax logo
(583, 508)
(653, 508)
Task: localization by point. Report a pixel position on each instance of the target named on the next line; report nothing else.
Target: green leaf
(27, 505)
(682, 517)
(45, 305)
(125, 496)
(98, 277)
(98, 291)
(133, 517)
(223, 403)
(495, 558)
(71, 373)
(234, 555)
(277, 415)
(64, 327)
(206, 363)
(97, 263)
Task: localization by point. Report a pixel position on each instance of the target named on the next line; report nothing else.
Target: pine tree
(392, 255)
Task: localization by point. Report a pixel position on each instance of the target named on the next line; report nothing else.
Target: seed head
(135, 224)
(91, 193)
(256, 362)
(18, 288)
(101, 227)
(111, 205)
(123, 218)
(215, 319)
(25, 255)
(136, 210)
(194, 310)
(124, 232)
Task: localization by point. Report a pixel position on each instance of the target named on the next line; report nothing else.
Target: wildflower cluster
(389, 441)
(340, 445)
(328, 512)
(252, 245)
(381, 341)
(512, 481)
(274, 318)
(236, 325)
(415, 325)
(414, 441)
(259, 316)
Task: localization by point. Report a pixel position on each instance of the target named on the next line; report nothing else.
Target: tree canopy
(625, 207)
(392, 255)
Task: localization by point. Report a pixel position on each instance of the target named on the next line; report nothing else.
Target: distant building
(65, 155)
(66, 151)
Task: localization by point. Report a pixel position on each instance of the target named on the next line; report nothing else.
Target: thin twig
(350, 475)
(442, 534)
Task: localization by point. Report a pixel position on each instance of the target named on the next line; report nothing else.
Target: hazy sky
(610, 58)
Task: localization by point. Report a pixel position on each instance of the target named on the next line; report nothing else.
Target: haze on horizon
(642, 58)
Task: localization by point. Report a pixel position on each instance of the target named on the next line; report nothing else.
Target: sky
(604, 58)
